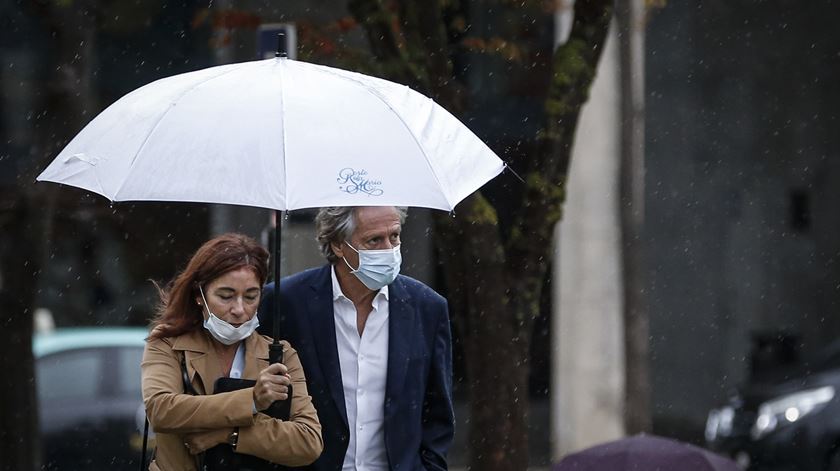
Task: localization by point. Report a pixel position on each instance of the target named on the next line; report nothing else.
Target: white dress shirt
(364, 369)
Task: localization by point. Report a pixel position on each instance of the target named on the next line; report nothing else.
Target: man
(375, 347)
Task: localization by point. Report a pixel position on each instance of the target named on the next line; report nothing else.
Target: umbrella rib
(160, 119)
(381, 98)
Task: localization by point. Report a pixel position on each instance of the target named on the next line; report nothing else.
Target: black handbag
(222, 457)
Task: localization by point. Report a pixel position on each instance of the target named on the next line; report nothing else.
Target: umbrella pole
(278, 409)
(275, 350)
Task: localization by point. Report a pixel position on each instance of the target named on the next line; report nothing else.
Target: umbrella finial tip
(281, 45)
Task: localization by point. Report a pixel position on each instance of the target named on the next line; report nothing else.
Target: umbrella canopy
(277, 134)
(645, 453)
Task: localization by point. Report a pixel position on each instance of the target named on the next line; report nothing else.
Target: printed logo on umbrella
(354, 181)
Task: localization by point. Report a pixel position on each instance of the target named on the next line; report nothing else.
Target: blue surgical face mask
(377, 268)
(223, 331)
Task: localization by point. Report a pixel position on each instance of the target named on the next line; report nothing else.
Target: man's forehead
(377, 226)
(376, 219)
(368, 215)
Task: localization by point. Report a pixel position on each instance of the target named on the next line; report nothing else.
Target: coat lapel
(204, 368)
(400, 327)
(322, 320)
(256, 357)
(195, 346)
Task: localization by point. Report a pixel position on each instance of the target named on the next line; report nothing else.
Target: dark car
(88, 382)
(791, 423)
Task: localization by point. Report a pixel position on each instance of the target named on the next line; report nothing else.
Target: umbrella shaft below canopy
(277, 315)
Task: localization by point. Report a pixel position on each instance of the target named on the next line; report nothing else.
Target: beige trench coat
(172, 414)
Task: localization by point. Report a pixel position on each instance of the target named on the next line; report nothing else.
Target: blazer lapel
(322, 320)
(400, 326)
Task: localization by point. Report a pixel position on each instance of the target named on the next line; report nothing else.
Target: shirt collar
(336, 288)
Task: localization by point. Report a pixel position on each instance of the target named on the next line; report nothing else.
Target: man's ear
(337, 249)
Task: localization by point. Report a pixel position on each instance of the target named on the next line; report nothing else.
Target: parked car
(88, 383)
(791, 423)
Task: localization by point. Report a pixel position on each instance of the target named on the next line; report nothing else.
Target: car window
(129, 371)
(70, 374)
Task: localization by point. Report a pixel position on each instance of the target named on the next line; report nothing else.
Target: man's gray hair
(335, 224)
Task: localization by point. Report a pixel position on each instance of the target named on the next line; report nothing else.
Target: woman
(206, 325)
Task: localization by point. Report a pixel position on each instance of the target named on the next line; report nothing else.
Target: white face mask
(223, 331)
(377, 268)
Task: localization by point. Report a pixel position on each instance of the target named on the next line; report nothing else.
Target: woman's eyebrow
(227, 288)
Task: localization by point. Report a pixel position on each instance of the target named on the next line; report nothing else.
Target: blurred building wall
(742, 182)
(587, 336)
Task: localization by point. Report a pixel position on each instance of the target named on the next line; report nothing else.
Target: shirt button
(361, 357)
(361, 392)
(361, 427)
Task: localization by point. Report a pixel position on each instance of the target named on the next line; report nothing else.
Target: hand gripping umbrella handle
(279, 409)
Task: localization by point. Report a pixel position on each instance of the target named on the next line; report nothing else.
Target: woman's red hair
(178, 312)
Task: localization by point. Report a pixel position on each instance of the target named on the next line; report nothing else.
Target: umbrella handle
(275, 352)
(279, 409)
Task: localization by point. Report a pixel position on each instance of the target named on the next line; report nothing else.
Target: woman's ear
(198, 297)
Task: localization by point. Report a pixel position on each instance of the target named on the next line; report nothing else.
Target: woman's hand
(201, 441)
(272, 385)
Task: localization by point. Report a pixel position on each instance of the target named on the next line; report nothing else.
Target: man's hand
(201, 441)
(272, 385)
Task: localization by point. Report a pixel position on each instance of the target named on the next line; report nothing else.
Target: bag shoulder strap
(185, 377)
(188, 389)
(145, 445)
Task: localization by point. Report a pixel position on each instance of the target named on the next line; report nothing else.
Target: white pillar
(587, 351)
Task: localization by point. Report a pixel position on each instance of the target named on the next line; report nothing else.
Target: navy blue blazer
(419, 418)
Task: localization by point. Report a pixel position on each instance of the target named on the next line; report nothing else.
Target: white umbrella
(277, 134)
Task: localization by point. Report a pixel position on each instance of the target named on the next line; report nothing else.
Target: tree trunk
(494, 284)
(65, 94)
(20, 233)
(487, 321)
